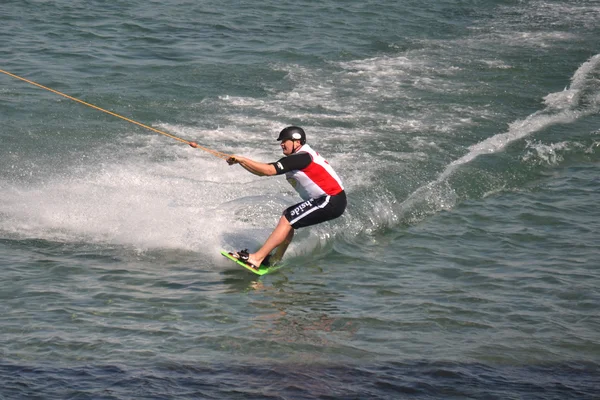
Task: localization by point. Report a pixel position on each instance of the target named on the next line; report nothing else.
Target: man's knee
(284, 221)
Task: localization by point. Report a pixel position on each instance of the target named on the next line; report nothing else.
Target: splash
(187, 202)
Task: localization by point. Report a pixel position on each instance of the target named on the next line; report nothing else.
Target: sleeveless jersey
(317, 179)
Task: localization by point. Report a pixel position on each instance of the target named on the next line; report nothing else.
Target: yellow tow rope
(193, 144)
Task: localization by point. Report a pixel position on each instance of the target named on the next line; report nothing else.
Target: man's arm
(255, 167)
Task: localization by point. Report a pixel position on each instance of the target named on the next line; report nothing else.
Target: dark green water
(467, 134)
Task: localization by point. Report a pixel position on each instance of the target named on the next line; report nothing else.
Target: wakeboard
(261, 271)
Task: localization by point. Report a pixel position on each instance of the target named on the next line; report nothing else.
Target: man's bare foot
(254, 261)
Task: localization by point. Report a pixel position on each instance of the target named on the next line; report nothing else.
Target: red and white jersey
(313, 180)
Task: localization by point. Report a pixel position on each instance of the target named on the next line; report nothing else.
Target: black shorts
(315, 211)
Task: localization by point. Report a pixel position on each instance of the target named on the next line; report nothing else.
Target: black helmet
(292, 133)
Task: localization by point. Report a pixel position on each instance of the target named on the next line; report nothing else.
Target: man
(315, 181)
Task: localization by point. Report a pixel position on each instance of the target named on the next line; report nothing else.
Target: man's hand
(193, 144)
(232, 160)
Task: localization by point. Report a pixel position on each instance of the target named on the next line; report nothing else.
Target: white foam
(498, 64)
(537, 24)
(535, 39)
(551, 154)
(388, 77)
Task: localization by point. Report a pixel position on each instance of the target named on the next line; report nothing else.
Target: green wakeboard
(261, 271)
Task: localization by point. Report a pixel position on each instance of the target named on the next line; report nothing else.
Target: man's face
(288, 146)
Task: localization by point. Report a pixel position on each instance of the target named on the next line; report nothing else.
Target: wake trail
(561, 108)
(579, 100)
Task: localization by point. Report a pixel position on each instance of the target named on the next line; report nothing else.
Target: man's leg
(306, 213)
(280, 237)
(282, 247)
